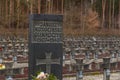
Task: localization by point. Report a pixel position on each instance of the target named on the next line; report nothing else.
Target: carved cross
(48, 61)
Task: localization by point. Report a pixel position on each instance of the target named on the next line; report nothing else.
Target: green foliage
(52, 77)
(34, 78)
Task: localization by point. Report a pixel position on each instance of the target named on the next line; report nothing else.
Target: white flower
(41, 76)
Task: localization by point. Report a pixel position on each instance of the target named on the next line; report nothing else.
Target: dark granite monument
(45, 44)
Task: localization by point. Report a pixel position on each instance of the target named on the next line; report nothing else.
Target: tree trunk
(0, 7)
(11, 14)
(49, 6)
(57, 10)
(11, 3)
(85, 12)
(39, 6)
(119, 16)
(1, 16)
(113, 18)
(103, 12)
(18, 15)
(62, 6)
(31, 7)
(46, 5)
(51, 9)
(110, 15)
(81, 14)
(27, 7)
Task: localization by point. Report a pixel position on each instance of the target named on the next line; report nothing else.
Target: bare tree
(110, 4)
(31, 6)
(119, 16)
(103, 12)
(62, 6)
(18, 16)
(6, 6)
(113, 18)
(39, 6)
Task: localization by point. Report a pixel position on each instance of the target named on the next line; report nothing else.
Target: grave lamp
(106, 68)
(107, 72)
(9, 78)
(79, 69)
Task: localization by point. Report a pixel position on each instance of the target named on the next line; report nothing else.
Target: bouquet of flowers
(44, 76)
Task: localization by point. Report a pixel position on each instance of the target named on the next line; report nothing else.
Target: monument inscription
(47, 32)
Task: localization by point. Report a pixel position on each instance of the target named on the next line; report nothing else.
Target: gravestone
(45, 44)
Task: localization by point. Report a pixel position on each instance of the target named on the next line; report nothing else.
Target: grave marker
(45, 36)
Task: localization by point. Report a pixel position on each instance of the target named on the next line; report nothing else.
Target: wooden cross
(48, 61)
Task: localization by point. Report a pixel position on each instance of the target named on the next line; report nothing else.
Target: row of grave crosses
(10, 47)
(74, 46)
(91, 48)
(92, 54)
(106, 68)
(92, 42)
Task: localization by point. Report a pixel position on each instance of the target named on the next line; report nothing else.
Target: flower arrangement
(44, 76)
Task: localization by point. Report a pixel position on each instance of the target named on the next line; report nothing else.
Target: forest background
(81, 17)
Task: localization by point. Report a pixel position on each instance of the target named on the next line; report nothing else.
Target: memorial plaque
(47, 32)
(45, 44)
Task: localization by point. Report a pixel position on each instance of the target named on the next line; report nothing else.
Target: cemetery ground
(93, 58)
(113, 76)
